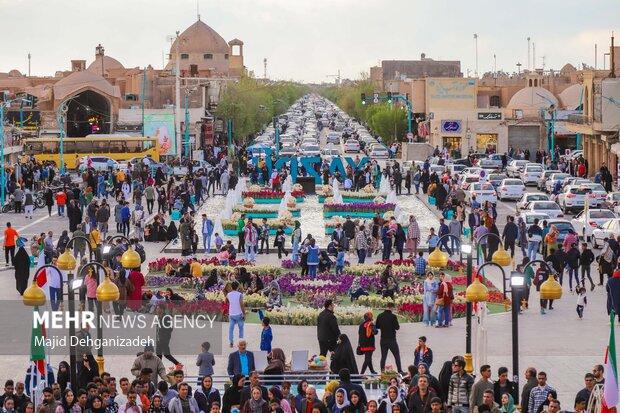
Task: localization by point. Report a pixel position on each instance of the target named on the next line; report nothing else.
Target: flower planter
(275, 200)
(268, 214)
(233, 232)
(352, 214)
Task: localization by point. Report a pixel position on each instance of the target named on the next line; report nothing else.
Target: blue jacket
(125, 212)
(234, 363)
(266, 337)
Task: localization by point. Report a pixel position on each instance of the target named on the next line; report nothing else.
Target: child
(223, 256)
(266, 336)
(218, 242)
(205, 361)
(340, 261)
(432, 240)
(420, 264)
(170, 271)
(582, 300)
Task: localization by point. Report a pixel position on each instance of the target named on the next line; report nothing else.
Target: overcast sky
(306, 40)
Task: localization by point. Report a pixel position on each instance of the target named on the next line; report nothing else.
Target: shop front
(453, 145)
(486, 142)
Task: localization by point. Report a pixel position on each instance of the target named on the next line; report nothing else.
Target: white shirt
(53, 277)
(234, 298)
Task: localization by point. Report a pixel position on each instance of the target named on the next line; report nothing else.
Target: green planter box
(274, 214)
(352, 214)
(274, 200)
(350, 200)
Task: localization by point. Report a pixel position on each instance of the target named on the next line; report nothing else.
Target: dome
(108, 63)
(568, 68)
(15, 73)
(200, 38)
(78, 81)
(532, 98)
(570, 97)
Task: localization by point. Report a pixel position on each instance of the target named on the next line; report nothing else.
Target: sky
(308, 40)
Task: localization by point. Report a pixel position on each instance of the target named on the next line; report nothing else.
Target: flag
(37, 347)
(611, 373)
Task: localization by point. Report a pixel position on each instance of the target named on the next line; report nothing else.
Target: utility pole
(265, 68)
(595, 56)
(534, 56)
(528, 54)
(29, 56)
(476, 40)
(143, 97)
(187, 93)
(495, 64)
(177, 92)
(519, 68)
(337, 78)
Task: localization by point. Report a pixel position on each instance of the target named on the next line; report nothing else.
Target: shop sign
(451, 126)
(489, 115)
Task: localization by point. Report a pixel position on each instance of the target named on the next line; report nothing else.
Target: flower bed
(414, 312)
(269, 211)
(267, 194)
(292, 284)
(230, 225)
(160, 264)
(359, 207)
(305, 316)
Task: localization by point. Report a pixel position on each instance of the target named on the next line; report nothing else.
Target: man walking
(10, 238)
(236, 312)
(459, 389)
(387, 322)
(327, 328)
(207, 232)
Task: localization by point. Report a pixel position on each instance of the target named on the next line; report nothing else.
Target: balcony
(580, 119)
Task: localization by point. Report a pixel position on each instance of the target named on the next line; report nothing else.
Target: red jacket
(61, 198)
(445, 292)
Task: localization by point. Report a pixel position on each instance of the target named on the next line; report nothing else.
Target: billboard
(161, 126)
(32, 119)
(451, 94)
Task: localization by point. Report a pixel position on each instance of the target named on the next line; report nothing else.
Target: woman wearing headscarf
(493, 241)
(276, 365)
(96, 405)
(301, 393)
(206, 394)
(330, 390)
(21, 262)
(156, 405)
(366, 342)
(64, 375)
(343, 356)
(444, 379)
(256, 403)
(276, 393)
(413, 235)
(393, 397)
(522, 238)
(551, 395)
(551, 239)
(444, 300)
(232, 395)
(341, 401)
(508, 404)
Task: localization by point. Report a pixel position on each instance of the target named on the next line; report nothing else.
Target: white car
(333, 137)
(598, 190)
(586, 221)
(352, 146)
(288, 151)
(329, 154)
(531, 173)
(540, 184)
(468, 180)
(100, 163)
(529, 197)
(483, 192)
(310, 150)
(612, 201)
(529, 218)
(379, 152)
(575, 196)
(553, 179)
(510, 189)
(546, 207)
(610, 228)
(472, 170)
(515, 167)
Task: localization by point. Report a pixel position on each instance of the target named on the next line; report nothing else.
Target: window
(133, 146)
(51, 147)
(184, 56)
(69, 146)
(84, 147)
(101, 146)
(35, 147)
(495, 101)
(146, 145)
(208, 56)
(226, 56)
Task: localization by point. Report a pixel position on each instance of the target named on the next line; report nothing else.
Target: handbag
(440, 301)
(358, 350)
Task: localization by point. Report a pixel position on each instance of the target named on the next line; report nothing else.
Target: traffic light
(363, 98)
(389, 97)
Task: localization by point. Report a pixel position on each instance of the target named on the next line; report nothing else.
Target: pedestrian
(582, 300)
(430, 297)
(459, 389)
(61, 199)
(387, 322)
(264, 236)
(250, 237)
(340, 261)
(413, 235)
(361, 244)
(535, 236)
(10, 240)
(236, 312)
(266, 335)
(366, 342)
(444, 300)
(205, 360)
(327, 328)
(312, 258)
(585, 261)
(28, 203)
(343, 357)
(18, 199)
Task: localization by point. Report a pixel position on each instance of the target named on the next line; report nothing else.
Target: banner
(161, 126)
(32, 119)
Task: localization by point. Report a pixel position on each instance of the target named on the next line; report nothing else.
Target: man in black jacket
(419, 400)
(327, 329)
(349, 231)
(387, 322)
(511, 231)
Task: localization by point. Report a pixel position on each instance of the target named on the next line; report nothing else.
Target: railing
(579, 118)
(311, 376)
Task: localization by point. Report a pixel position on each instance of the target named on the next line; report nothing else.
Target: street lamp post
(60, 117)
(467, 250)
(517, 285)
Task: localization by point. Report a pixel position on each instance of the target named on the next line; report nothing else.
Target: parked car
(612, 201)
(529, 197)
(531, 173)
(609, 229)
(586, 221)
(510, 189)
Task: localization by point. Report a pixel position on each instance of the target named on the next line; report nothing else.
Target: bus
(119, 148)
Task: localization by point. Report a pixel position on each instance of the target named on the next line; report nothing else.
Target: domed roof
(108, 63)
(15, 73)
(78, 81)
(532, 98)
(200, 38)
(570, 97)
(568, 68)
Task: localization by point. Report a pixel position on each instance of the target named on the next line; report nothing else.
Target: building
(107, 97)
(392, 71)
